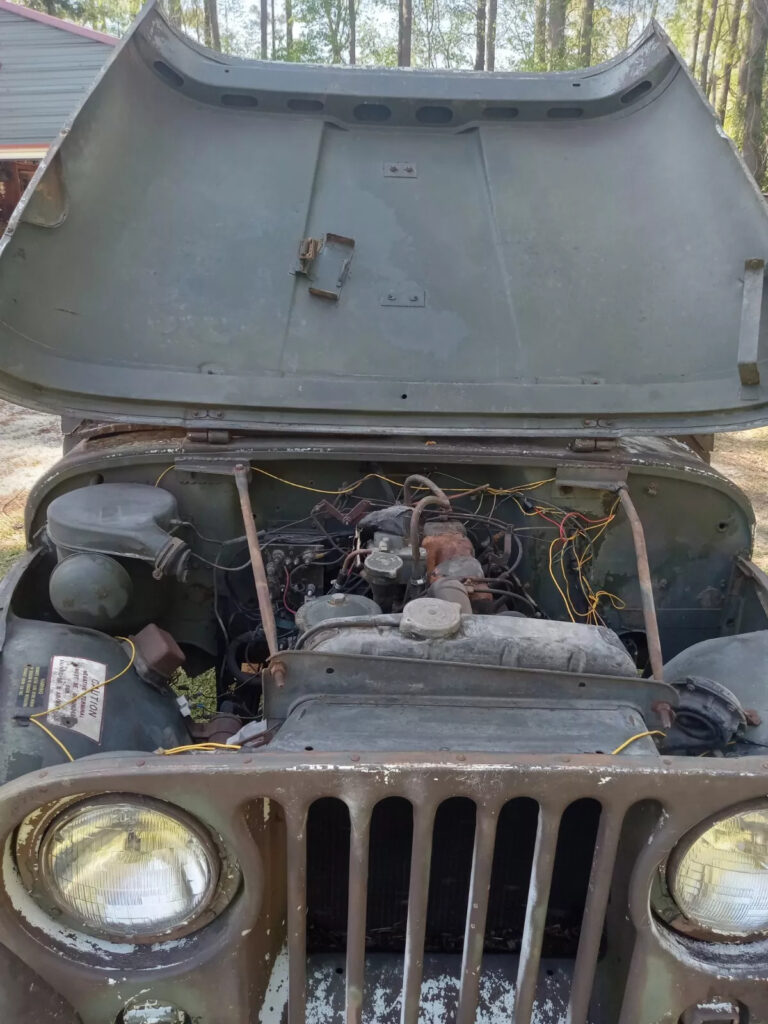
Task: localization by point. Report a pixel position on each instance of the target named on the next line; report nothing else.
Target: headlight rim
(663, 902)
(39, 827)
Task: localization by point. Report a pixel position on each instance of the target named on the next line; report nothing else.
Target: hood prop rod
(263, 596)
(646, 587)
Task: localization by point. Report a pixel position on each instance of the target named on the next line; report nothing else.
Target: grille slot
(570, 879)
(452, 845)
(520, 877)
(511, 874)
(328, 833)
(389, 868)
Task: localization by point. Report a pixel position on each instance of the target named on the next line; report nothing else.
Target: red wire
(563, 521)
(542, 516)
(285, 593)
(588, 520)
(568, 515)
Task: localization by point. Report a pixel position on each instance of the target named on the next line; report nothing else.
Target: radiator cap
(429, 618)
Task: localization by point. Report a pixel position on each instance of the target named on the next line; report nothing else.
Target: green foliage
(443, 33)
(113, 16)
(527, 38)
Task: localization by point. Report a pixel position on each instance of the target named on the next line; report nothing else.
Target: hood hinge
(593, 444)
(209, 436)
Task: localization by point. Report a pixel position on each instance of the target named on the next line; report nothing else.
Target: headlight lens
(131, 868)
(719, 880)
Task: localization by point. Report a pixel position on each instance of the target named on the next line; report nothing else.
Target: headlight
(128, 868)
(718, 877)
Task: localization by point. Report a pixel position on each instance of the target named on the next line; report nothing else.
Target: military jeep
(385, 648)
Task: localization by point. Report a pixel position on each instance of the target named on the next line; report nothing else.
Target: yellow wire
(200, 746)
(78, 696)
(566, 602)
(538, 509)
(55, 739)
(166, 470)
(378, 476)
(389, 480)
(522, 487)
(593, 599)
(638, 736)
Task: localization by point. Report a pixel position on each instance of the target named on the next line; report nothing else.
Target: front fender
(26, 999)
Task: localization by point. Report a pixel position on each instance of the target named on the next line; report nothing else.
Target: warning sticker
(69, 677)
(31, 687)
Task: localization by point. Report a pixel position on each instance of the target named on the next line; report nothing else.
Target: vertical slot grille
(418, 894)
(296, 912)
(522, 878)
(477, 913)
(356, 917)
(536, 913)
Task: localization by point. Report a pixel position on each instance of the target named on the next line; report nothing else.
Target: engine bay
(365, 560)
(436, 577)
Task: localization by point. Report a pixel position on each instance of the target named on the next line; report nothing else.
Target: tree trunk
(263, 25)
(540, 36)
(696, 33)
(733, 43)
(480, 17)
(213, 38)
(713, 81)
(557, 10)
(206, 25)
(272, 27)
(490, 33)
(706, 56)
(405, 27)
(752, 87)
(289, 29)
(587, 21)
(352, 32)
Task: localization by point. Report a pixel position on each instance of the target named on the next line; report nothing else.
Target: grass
(12, 542)
(200, 691)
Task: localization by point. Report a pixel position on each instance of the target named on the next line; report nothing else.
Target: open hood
(286, 247)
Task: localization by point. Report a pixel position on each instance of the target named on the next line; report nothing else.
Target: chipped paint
(37, 919)
(276, 997)
(439, 992)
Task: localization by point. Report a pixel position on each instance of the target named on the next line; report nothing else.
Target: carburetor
(390, 560)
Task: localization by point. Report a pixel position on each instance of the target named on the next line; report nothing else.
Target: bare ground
(30, 442)
(744, 458)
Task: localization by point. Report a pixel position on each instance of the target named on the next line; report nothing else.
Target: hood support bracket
(749, 329)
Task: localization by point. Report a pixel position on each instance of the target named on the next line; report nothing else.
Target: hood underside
(284, 247)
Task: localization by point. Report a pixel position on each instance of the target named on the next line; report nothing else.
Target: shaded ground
(30, 442)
